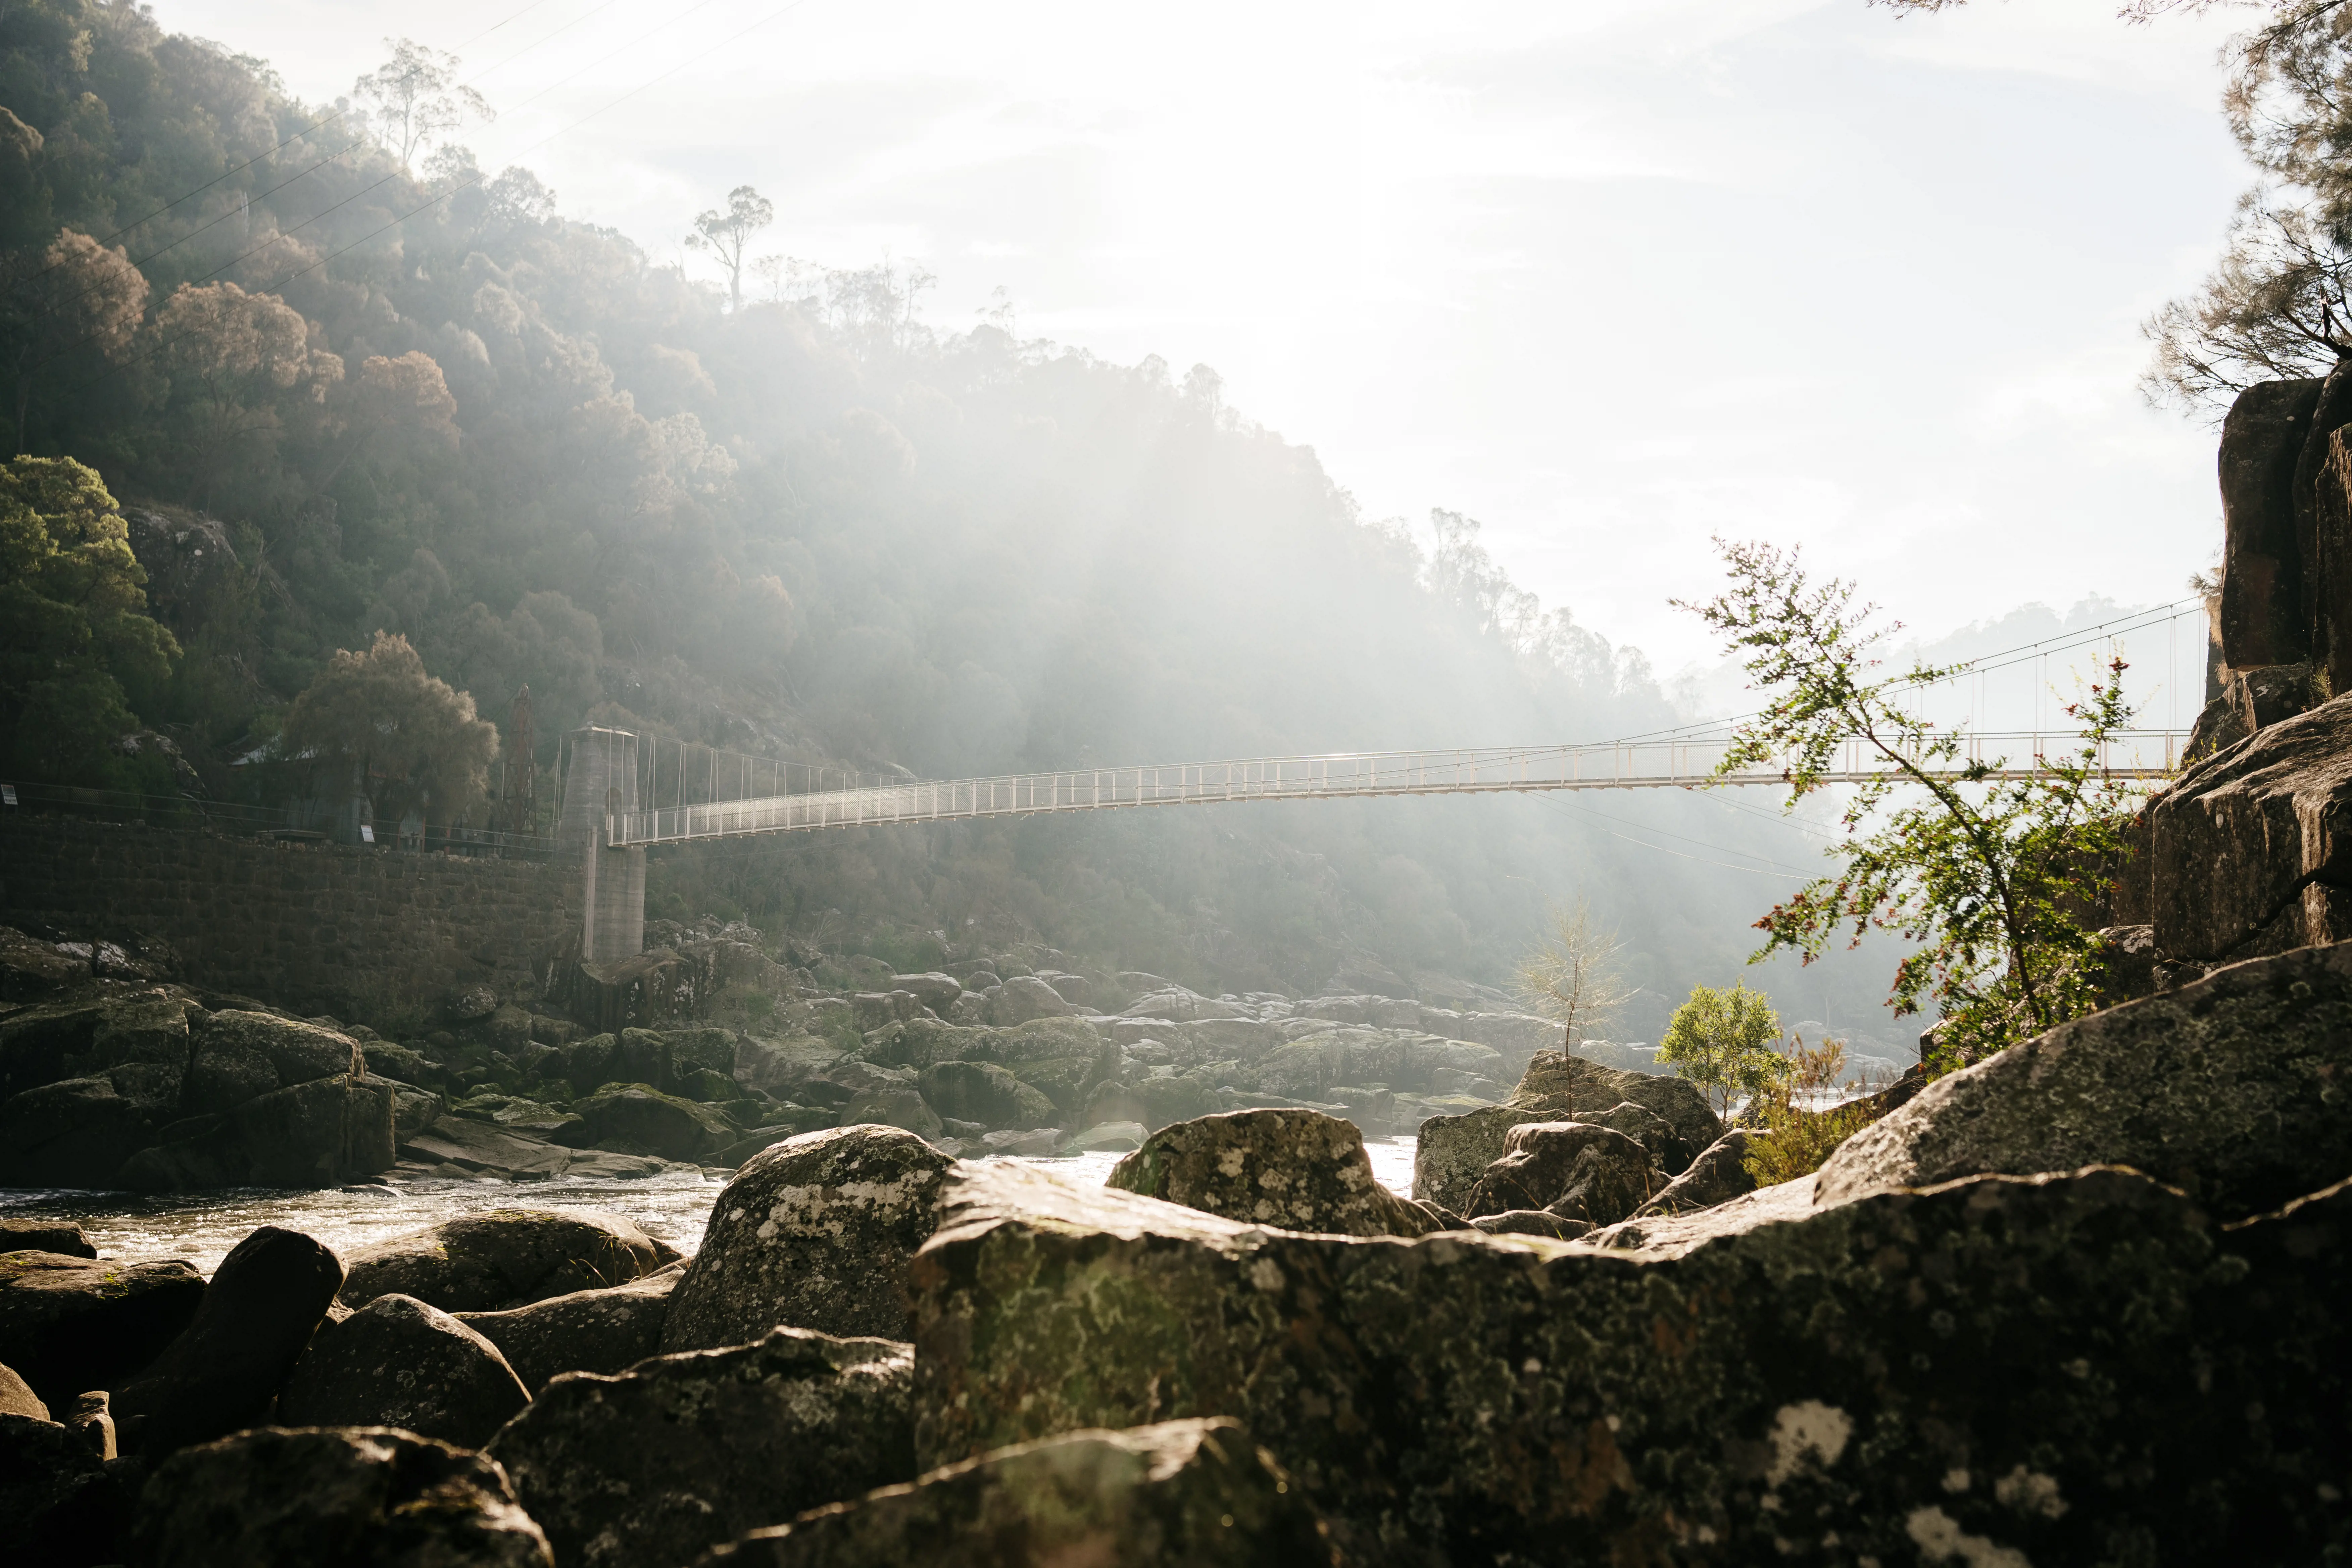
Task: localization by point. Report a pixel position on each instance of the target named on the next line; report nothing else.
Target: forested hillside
(807, 527)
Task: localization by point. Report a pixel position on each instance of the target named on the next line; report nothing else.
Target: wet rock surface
(504, 1257)
(2234, 1089)
(1181, 1492)
(815, 1233)
(588, 1331)
(256, 1317)
(1300, 1170)
(1954, 1361)
(274, 1498)
(398, 1361)
(67, 1324)
(686, 1451)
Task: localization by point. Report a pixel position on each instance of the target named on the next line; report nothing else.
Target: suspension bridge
(612, 810)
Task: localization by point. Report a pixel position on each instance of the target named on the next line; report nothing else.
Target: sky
(1610, 276)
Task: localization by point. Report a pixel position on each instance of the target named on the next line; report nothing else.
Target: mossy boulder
(985, 1093)
(1572, 1169)
(814, 1233)
(1300, 1170)
(365, 1498)
(647, 1468)
(503, 1257)
(1178, 1493)
(1574, 1088)
(2236, 1088)
(398, 1361)
(2000, 1360)
(609, 1330)
(638, 1119)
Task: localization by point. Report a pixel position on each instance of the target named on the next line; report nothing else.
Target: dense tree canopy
(807, 526)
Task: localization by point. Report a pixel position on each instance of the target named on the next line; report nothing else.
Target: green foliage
(376, 722)
(1723, 1042)
(810, 528)
(74, 632)
(1989, 877)
(1799, 1139)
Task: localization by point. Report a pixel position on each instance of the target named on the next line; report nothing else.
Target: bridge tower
(599, 784)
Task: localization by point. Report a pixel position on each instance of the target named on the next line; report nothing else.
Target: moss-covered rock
(1574, 1088)
(503, 1257)
(399, 1363)
(647, 1468)
(814, 1233)
(2068, 1368)
(637, 1119)
(1571, 1168)
(72, 1323)
(1300, 1170)
(2237, 1089)
(1188, 1493)
(359, 1499)
(986, 1093)
(610, 1329)
(1719, 1174)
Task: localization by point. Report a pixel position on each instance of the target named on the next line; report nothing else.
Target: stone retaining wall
(375, 935)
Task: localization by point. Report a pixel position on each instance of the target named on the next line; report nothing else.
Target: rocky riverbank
(127, 1080)
(2080, 1303)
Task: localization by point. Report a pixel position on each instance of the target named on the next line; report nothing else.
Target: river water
(202, 1227)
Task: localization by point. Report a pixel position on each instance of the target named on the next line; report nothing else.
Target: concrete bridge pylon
(600, 784)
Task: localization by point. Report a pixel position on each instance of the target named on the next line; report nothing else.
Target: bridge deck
(1645, 764)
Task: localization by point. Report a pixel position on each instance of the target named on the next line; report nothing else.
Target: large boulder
(1995, 1364)
(238, 1055)
(900, 1105)
(640, 1120)
(17, 1398)
(62, 1505)
(399, 1363)
(985, 1093)
(1571, 1168)
(1152, 1102)
(1300, 1170)
(2243, 857)
(466, 1148)
(1573, 1089)
(1024, 997)
(1451, 1152)
(318, 1134)
(76, 1132)
(815, 1233)
(72, 1323)
(1064, 1059)
(258, 1315)
(355, 1497)
(610, 1329)
(1719, 1174)
(932, 989)
(504, 1257)
(1182, 1492)
(64, 1239)
(2234, 1089)
(647, 1468)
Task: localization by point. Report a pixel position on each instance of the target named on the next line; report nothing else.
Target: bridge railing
(1683, 761)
